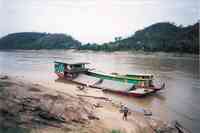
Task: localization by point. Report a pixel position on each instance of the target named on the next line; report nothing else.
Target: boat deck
(86, 79)
(104, 84)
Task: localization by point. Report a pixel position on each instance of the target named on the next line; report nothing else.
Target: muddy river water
(179, 101)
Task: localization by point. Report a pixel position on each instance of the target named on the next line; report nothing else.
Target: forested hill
(35, 40)
(158, 37)
(164, 36)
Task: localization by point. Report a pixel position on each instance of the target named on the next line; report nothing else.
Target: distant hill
(164, 36)
(158, 37)
(35, 40)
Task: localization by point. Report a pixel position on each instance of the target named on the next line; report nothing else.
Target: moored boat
(133, 85)
(140, 81)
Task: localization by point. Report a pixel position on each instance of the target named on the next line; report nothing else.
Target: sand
(79, 113)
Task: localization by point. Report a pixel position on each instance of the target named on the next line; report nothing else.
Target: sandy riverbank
(51, 109)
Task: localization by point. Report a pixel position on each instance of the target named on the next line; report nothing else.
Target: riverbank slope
(33, 107)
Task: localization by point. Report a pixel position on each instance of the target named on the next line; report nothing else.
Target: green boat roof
(131, 78)
(119, 76)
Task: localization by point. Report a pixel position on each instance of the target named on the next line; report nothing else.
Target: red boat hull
(153, 87)
(60, 75)
(126, 93)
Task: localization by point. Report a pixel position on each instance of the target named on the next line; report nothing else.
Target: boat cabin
(70, 70)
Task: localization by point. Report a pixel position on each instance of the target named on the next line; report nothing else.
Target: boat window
(146, 83)
(151, 83)
(132, 88)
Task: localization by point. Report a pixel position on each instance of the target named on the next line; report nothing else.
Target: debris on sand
(28, 105)
(95, 97)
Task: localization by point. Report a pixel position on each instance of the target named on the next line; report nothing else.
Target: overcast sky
(93, 20)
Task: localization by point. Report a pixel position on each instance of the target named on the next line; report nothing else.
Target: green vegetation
(4, 84)
(16, 129)
(165, 37)
(115, 131)
(35, 40)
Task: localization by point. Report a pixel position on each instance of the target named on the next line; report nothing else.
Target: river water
(179, 101)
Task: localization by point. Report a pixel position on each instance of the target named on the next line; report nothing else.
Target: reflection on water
(179, 101)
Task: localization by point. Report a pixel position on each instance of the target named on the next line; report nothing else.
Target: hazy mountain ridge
(164, 36)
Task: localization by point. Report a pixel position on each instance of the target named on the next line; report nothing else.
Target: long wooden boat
(133, 85)
(123, 88)
(140, 81)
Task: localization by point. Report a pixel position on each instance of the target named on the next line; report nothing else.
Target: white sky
(93, 20)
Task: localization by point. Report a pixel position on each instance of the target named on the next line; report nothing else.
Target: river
(179, 101)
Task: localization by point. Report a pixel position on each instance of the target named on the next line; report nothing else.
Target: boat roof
(120, 76)
(141, 74)
(72, 63)
(135, 74)
(134, 78)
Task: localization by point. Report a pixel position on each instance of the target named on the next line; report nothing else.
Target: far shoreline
(105, 51)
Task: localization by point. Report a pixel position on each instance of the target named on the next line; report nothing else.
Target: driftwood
(173, 127)
(81, 87)
(95, 97)
(180, 128)
(97, 105)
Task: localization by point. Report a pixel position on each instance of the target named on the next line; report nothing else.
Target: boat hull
(125, 79)
(60, 75)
